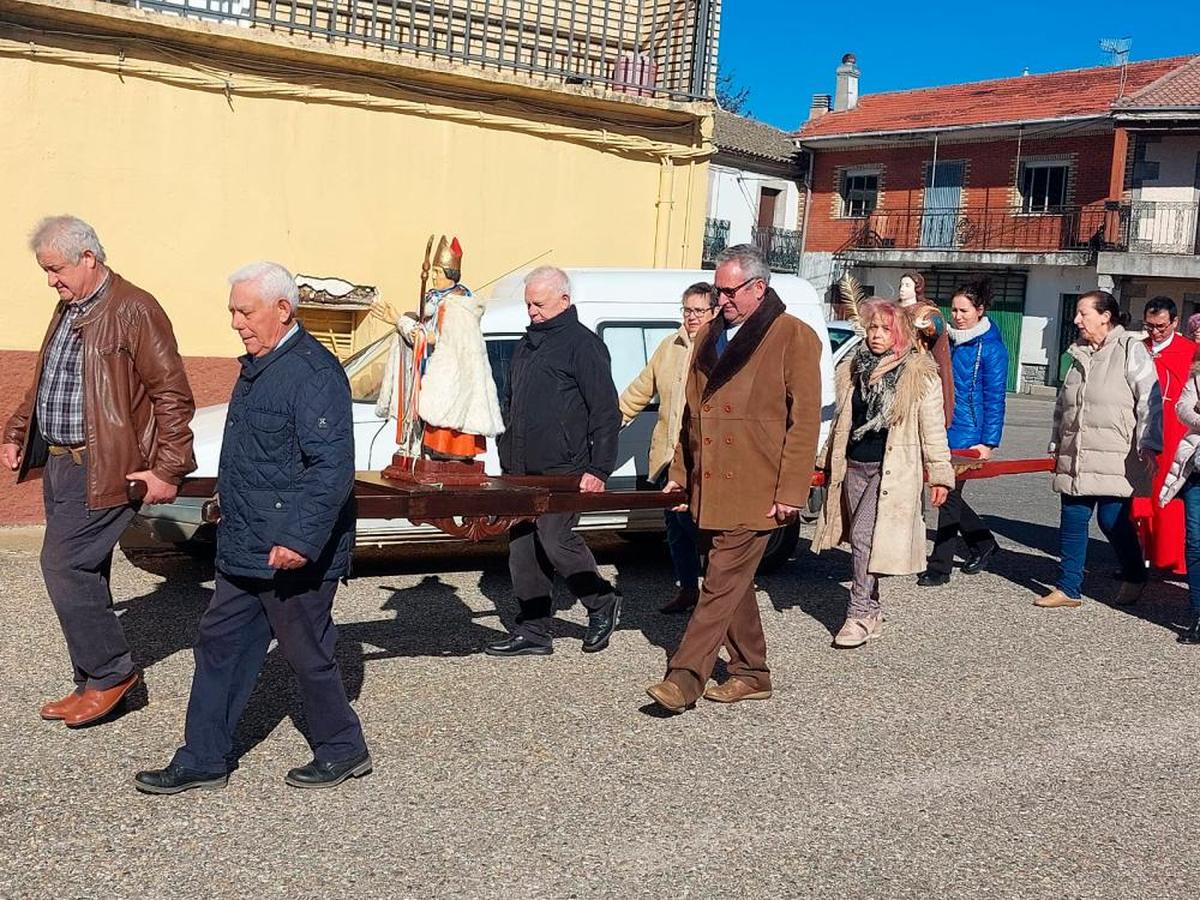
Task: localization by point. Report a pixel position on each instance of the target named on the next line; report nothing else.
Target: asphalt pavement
(982, 748)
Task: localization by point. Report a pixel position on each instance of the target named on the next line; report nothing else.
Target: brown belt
(76, 453)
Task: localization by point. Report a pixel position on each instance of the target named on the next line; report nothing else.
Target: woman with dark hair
(979, 361)
(1107, 437)
(927, 321)
(888, 433)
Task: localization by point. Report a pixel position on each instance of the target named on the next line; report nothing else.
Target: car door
(630, 345)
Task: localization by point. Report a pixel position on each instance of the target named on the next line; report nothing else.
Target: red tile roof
(1028, 98)
(1178, 88)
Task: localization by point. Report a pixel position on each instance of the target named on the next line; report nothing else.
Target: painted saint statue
(438, 383)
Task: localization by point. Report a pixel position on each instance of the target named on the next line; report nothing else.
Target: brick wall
(211, 379)
(989, 187)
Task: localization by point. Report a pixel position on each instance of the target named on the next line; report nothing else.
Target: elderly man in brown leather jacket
(109, 407)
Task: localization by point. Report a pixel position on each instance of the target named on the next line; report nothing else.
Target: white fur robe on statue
(457, 389)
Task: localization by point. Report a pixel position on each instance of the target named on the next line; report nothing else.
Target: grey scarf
(876, 378)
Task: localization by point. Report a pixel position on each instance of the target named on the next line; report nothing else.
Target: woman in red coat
(1162, 528)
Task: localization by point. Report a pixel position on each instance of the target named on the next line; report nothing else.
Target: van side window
(631, 344)
(500, 353)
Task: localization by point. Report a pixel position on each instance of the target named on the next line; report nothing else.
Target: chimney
(847, 84)
(820, 106)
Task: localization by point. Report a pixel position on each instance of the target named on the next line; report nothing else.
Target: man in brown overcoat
(746, 454)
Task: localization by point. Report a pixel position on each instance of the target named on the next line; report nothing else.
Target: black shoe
(175, 779)
(978, 560)
(1192, 635)
(933, 579)
(601, 625)
(329, 774)
(517, 645)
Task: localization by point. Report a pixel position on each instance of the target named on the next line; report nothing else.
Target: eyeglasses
(1150, 326)
(690, 313)
(732, 292)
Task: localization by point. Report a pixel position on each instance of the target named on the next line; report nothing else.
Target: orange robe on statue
(446, 442)
(1162, 529)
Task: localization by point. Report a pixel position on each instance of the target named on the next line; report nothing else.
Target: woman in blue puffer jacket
(980, 363)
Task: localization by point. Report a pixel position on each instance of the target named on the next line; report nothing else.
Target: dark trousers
(231, 647)
(76, 563)
(956, 517)
(727, 614)
(1191, 508)
(683, 543)
(536, 550)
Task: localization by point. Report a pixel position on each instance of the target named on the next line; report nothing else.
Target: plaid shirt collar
(83, 307)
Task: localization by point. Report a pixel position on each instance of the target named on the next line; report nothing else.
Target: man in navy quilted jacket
(286, 487)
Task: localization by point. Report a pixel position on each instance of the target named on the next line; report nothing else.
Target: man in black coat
(286, 485)
(561, 418)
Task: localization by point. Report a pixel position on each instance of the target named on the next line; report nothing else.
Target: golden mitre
(448, 256)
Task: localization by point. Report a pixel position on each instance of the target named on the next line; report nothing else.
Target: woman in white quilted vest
(1107, 437)
(1183, 479)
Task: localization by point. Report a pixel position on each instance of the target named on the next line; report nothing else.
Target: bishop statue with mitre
(438, 382)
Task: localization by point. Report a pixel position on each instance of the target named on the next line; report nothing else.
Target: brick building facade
(1022, 181)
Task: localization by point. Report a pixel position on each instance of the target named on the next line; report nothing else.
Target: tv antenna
(1118, 50)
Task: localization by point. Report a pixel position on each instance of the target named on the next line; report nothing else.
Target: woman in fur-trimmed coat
(890, 429)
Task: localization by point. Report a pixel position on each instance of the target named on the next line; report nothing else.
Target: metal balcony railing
(1153, 226)
(654, 48)
(716, 239)
(780, 246)
(961, 228)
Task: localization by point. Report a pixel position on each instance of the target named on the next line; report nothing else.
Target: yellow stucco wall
(185, 185)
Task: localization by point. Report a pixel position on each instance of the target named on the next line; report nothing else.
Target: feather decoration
(853, 294)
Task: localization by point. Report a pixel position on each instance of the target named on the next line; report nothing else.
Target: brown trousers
(727, 614)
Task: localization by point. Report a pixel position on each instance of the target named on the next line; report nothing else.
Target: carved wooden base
(434, 471)
(475, 528)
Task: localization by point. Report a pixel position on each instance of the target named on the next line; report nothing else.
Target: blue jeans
(682, 541)
(1191, 511)
(1112, 514)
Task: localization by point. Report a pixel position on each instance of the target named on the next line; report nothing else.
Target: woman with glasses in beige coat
(665, 376)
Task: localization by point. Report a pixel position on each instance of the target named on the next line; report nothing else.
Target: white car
(631, 309)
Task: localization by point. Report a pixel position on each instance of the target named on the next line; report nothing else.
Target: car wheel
(780, 548)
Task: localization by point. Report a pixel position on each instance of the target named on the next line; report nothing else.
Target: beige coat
(1109, 408)
(916, 444)
(1184, 463)
(665, 375)
(749, 437)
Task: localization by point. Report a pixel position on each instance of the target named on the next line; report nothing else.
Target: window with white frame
(859, 192)
(1044, 186)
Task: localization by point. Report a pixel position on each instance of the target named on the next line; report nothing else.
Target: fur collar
(919, 371)
(720, 372)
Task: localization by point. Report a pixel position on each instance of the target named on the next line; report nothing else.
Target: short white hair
(750, 260)
(69, 235)
(273, 282)
(551, 276)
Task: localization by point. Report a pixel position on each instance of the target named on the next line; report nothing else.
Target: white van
(632, 310)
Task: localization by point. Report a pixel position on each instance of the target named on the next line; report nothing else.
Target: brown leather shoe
(668, 695)
(1056, 599)
(93, 705)
(735, 690)
(59, 709)
(685, 600)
